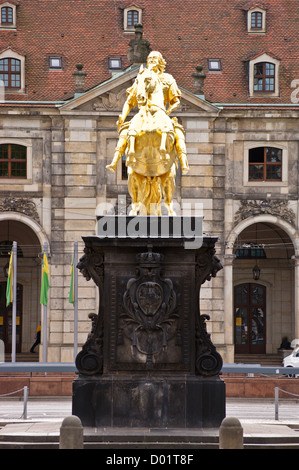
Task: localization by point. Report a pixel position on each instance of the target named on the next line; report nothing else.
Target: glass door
(249, 319)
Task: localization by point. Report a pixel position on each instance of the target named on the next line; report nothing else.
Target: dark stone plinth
(149, 360)
(168, 402)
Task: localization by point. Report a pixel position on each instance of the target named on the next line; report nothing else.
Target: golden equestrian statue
(152, 141)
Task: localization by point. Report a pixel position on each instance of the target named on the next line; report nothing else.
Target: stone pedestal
(155, 402)
(149, 361)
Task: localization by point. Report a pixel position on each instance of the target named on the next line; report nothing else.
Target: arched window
(133, 17)
(6, 16)
(10, 72)
(13, 161)
(256, 20)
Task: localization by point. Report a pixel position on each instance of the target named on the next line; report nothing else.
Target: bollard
(231, 434)
(24, 416)
(71, 433)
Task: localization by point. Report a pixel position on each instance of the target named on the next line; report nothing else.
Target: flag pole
(75, 270)
(14, 302)
(44, 323)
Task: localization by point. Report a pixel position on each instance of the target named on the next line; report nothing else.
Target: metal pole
(276, 403)
(25, 402)
(75, 300)
(14, 302)
(44, 337)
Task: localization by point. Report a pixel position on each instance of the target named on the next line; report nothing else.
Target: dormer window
(12, 71)
(8, 16)
(132, 16)
(256, 20)
(264, 76)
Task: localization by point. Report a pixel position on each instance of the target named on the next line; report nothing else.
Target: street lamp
(256, 272)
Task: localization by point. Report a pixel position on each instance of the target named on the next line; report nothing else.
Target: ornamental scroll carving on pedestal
(149, 316)
(89, 361)
(208, 361)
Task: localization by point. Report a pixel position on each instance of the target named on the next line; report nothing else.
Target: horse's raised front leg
(131, 146)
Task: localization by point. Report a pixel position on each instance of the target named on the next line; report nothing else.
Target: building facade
(238, 69)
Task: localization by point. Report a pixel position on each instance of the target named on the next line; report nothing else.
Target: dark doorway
(250, 319)
(6, 319)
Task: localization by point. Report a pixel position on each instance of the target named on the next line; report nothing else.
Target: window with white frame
(132, 16)
(8, 16)
(256, 20)
(264, 76)
(266, 163)
(16, 161)
(12, 71)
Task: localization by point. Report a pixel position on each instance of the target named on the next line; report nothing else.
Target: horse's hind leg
(133, 191)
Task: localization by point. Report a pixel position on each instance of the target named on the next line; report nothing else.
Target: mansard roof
(186, 32)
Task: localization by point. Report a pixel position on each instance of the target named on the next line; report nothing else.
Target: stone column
(228, 305)
(296, 295)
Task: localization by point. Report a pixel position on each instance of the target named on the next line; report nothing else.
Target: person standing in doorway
(37, 339)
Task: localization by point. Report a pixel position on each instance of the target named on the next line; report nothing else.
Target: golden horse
(151, 141)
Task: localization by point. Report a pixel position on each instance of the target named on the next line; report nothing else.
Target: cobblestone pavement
(58, 408)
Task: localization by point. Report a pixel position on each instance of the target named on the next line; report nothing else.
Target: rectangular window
(265, 164)
(55, 63)
(13, 161)
(115, 63)
(214, 65)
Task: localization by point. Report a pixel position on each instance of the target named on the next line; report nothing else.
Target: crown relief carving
(278, 208)
(19, 204)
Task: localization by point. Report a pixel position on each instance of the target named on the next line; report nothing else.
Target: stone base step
(263, 359)
(23, 357)
(146, 444)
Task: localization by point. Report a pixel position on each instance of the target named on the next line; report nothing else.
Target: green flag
(9, 281)
(45, 282)
(72, 292)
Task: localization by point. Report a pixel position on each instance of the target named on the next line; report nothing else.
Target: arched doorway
(6, 319)
(28, 282)
(263, 294)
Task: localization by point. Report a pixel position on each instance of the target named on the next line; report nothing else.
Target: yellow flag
(9, 286)
(45, 282)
